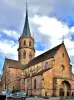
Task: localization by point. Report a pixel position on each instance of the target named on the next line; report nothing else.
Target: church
(44, 75)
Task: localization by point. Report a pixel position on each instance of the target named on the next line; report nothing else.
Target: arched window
(24, 54)
(24, 42)
(46, 65)
(34, 83)
(30, 55)
(29, 43)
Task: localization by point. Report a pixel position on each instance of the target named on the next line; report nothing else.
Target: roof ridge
(50, 49)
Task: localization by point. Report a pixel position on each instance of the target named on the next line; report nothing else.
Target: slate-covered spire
(26, 29)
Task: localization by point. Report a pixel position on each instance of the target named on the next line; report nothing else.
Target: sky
(49, 20)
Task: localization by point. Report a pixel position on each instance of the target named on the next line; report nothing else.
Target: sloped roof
(12, 63)
(46, 55)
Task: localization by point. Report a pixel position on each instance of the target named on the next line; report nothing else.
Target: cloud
(38, 52)
(10, 18)
(12, 12)
(8, 49)
(11, 33)
(49, 26)
(72, 29)
(52, 30)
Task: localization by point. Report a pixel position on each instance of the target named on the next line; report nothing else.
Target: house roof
(45, 56)
(12, 63)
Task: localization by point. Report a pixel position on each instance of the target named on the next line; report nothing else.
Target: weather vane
(63, 39)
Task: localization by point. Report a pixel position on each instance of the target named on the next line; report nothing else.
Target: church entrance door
(66, 87)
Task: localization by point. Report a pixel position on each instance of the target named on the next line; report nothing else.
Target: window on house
(29, 43)
(34, 83)
(24, 54)
(24, 42)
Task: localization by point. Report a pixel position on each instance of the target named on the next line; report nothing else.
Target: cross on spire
(26, 4)
(63, 39)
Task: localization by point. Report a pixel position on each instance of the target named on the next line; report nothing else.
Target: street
(51, 98)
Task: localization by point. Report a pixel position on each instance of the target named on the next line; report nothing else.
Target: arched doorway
(66, 88)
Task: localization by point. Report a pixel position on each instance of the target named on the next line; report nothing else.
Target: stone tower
(26, 51)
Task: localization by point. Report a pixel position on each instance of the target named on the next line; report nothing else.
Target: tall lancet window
(29, 43)
(30, 55)
(24, 43)
(34, 83)
(24, 54)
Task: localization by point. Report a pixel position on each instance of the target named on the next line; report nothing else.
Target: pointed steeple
(26, 29)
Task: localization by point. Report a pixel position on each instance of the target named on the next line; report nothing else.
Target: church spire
(26, 29)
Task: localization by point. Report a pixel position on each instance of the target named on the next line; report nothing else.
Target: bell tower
(26, 51)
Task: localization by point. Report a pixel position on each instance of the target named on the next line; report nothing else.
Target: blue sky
(49, 20)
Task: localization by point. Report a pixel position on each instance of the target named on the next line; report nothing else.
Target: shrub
(15, 90)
